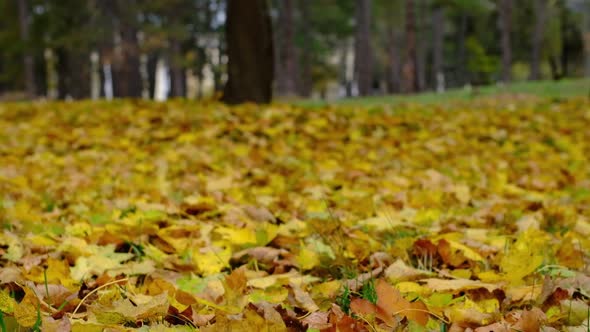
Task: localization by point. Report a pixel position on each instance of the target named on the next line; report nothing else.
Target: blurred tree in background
(325, 48)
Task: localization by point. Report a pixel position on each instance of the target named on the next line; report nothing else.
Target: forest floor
(184, 216)
(566, 88)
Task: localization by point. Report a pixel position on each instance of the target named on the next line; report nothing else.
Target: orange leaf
(363, 307)
(393, 303)
(530, 320)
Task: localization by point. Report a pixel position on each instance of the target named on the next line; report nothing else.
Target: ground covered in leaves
(182, 217)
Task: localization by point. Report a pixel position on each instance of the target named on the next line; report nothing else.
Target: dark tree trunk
(287, 80)
(2, 85)
(571, 38)
(74, 74)
(279, 69)
(438, 35)
(462, 78)
(410, 83)
(563, 34)
(126, 75)
(151, 68)
(421, 46)
(505, 16)
(363, 54)
(250, 52)
(555, 73)
(305, 82)
(393, 64)
(28, 61)
(178, 86)
(537, 40)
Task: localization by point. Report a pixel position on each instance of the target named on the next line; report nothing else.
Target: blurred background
(325, 49)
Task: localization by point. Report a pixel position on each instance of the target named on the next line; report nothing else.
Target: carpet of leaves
(187, 216)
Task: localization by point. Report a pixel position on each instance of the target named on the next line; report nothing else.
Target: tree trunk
(393, 64)
(305, 81)
(126, 76)
(553, 66)
(28, 61)
(505, 16)
(363, 54)
(279, 69)
(537, 40)
(586, 37)
(74, 74)
(51, 74)
(176, 70)
(460, 68)
(94, 75)
(151, 69)
(410, 83)
(421, 46)
(438, 35)
(250, 52)
(287, 81)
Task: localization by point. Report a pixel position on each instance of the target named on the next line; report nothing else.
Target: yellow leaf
(307, 258)
(15, 249)
(468, 252)
(80, 326)
(271, 295)
(268, 281)
(442, 285)
(412, 287)
(469, 312)
(327, 289)
(26, 312)
(461, 273)
(7, 303)
(57, 272)
(42, 240)
(462, 193)
(237, 236)
(211, 261)
(525, 256)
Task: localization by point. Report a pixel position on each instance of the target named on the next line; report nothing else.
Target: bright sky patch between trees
(185, 216)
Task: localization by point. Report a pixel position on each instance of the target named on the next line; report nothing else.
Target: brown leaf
(418, 312)
(237, 280)
(356, 283)
(424, 247)
(317, 320)
(393, 303)
(271, 316)
(530, 320)
(363, 307)
(56, 325)
(261, 254)
(303, 298)
(260, 214)
(344, 324)
(400, 271)
(455, 327)
(495, 327)
(201, 319)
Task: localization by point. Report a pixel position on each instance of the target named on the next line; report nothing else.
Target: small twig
(96, 290)
(422, 310)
